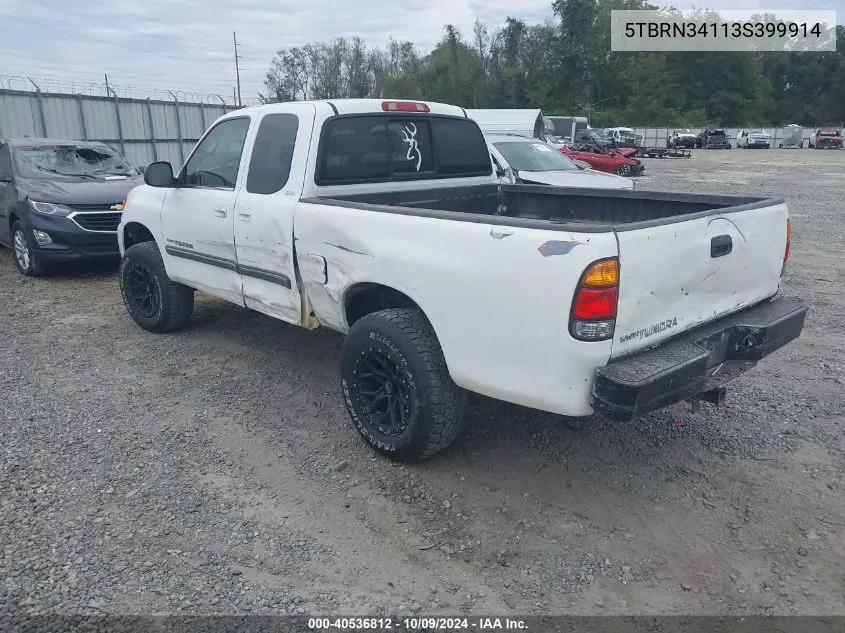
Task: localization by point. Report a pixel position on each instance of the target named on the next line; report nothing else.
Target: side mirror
(159, 174)
(4, 177)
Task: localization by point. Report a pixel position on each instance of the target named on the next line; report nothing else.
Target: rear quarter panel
(500, 307)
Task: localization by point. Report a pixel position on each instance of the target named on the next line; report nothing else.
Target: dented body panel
(499, 306)
(675, 277)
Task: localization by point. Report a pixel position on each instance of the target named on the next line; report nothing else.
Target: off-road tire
(35, 268)
(406, 339)
(175, 301)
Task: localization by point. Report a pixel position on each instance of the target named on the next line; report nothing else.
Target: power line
(97, 69)
(95, 39)
(98, 19)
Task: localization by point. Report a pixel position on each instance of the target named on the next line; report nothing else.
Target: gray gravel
(214, 470)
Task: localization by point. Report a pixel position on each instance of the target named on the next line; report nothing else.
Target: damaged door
(264, 212)
(197, 216)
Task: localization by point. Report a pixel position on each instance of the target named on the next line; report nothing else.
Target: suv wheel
(25, 257)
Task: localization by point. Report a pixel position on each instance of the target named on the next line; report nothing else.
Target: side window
(216, 160)
(272, 153)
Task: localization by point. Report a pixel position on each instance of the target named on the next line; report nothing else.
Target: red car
(609, 160)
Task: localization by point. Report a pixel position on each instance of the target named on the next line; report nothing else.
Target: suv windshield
(536, 156)
(48, 161)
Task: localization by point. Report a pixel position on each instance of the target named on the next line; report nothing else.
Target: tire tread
(447, 400)
(179, 299)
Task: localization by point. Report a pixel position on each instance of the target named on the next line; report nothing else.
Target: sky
(186, 46)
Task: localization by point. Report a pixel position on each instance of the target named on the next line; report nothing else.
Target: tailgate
(679, 275)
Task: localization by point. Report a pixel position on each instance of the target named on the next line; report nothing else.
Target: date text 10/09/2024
(417, 624)
(723, 29)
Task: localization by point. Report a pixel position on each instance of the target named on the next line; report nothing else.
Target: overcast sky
(187, 44)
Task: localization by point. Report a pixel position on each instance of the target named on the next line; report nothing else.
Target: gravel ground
(214, 470)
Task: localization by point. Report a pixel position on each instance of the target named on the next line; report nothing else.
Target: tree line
(565, 66)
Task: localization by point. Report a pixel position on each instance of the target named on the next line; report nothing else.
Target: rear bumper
(697, 361)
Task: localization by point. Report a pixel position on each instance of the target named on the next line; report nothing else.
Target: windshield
(537, 156)
(590, 135)
(684, 131)
(48, 161)
(758, 131)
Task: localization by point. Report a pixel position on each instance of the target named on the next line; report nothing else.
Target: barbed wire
(29, 83)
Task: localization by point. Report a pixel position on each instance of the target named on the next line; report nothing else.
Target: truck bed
(540, 206)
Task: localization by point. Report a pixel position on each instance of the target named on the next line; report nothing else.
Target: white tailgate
(669, 282)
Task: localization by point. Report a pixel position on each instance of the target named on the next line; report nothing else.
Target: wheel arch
(136, 233)
(364, 298)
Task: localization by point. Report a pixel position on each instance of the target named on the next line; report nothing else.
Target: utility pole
(237, 67)
(108, 90)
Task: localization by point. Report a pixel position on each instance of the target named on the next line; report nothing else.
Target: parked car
(713, 138)
(622, 137)
(827, 138)
(519, 159)
(793, 137)
(607, 160)
(681, 138)
(754, 138)
(61, 200)
(384, 220)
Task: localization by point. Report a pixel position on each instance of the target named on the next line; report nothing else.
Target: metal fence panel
(134, 121)
(192, 126)
(18, 114)
(62, 117)
(144, 130)
(100, 118)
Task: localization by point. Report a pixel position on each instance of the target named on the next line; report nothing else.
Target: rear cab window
(381, 148)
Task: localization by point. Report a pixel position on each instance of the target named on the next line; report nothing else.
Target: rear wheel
(397, 387)
(26, 259)
(153, 301)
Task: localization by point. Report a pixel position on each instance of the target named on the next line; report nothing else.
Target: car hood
(586, 178)
(87, 191)
(685, 135)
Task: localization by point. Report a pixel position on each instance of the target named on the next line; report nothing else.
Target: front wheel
(397, 388)
(26, 259)
(623, 170)
(153, 301)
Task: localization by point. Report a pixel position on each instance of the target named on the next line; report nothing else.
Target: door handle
(244, 217)
(721, 245)
(220, 212)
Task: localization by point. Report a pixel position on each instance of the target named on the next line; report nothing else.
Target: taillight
(404, 106)
(593, 314)
(788, 242)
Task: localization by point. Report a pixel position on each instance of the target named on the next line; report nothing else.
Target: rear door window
(272, 153)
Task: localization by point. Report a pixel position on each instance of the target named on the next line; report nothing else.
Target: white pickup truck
(384, 220)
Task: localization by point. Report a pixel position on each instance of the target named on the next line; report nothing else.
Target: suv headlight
(48, 208)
